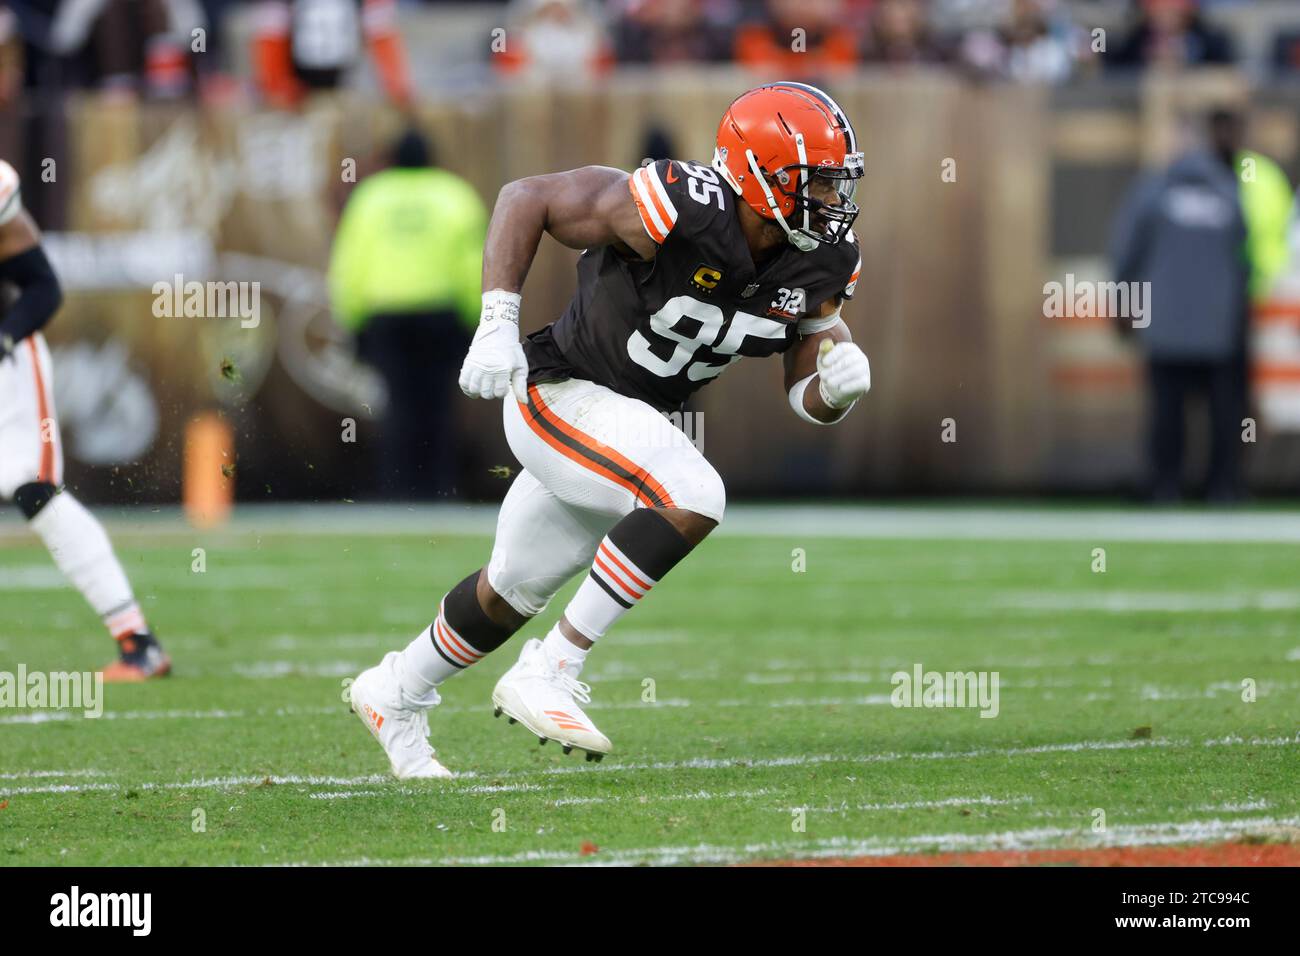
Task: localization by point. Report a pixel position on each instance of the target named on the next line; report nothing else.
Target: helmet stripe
(824, 98)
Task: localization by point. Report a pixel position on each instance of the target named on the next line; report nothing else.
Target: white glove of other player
(495, 362)
(843, 373)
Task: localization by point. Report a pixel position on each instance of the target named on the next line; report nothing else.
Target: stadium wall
(949, 307)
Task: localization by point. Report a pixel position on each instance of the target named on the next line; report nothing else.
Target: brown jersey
(658, 330)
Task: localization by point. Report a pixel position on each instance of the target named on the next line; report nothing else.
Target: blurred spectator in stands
(798, 38)
(121, 47)
(899, 32)
(1171, 33)
(673, 31)
(404, 279)
(1190, 232)
(1286, 51)
(1035, 41)
(556, 37)
(304, 45)
(11, 58)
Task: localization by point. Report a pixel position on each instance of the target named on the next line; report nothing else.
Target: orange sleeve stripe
(46, 472)
(651, 228)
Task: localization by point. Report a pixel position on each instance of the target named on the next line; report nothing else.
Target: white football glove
(495, 362)
(843, 373)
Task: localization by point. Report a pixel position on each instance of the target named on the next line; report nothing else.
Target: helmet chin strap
(723, 170)
(803, 243)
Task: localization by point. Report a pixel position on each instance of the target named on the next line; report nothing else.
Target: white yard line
(1000, 523)
(662, 798)
(981, 801)
(51, 716)
(6, 792)
(421, 792)
(702, 763)
(1037, 838)
(55, 774)
(1046, 688)
(1161, 602)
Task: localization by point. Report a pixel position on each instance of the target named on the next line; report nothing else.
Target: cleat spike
(568, 749)
(541, 741)
(512, 720)
(598, 757)
(496, 711)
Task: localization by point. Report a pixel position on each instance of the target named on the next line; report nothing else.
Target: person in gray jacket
(1183, 231)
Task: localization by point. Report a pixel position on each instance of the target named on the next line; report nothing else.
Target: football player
(686, 268)
(31, 449)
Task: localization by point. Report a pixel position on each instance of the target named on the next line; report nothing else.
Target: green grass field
(770, 734)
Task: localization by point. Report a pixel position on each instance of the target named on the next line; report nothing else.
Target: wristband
(500, 305)
(821, 390)
(796, 401)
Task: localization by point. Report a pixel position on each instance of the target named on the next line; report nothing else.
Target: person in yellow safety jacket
(1206, 236)
(1266, 202)
(404, 278)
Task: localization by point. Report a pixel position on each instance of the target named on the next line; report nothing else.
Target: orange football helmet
(774, 142)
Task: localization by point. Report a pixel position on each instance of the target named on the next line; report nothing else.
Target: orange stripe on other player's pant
(645, 486)
(46, 473)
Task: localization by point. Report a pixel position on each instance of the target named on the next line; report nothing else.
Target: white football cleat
(402, 731)
(543, 695)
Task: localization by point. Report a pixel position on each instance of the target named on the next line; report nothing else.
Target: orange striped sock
(629, 561)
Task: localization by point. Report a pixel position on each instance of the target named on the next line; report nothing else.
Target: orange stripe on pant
(644, 481)
(46, 473)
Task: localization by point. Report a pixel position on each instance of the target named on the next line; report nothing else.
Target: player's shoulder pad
(11, 201)
(675, 197)
(832, 271)
(839, 266)
(852, 253)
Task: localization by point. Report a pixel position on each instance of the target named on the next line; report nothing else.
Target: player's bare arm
(581, 208)
(825, 372)
(18, 235)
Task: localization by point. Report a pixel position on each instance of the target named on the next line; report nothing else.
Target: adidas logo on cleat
(376, 719)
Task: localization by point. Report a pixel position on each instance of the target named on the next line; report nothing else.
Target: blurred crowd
(170, 48)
